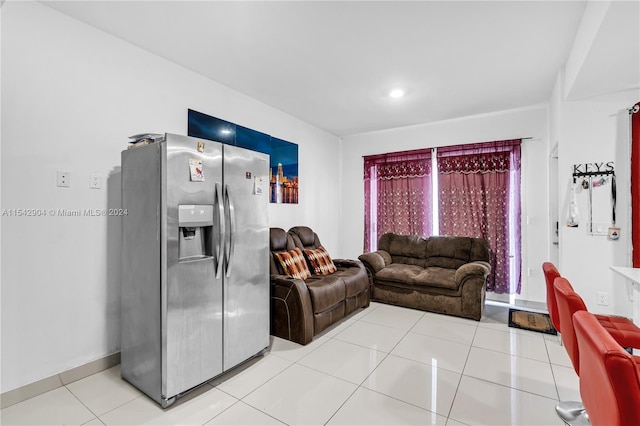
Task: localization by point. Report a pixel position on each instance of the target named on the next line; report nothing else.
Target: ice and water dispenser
(196, 231)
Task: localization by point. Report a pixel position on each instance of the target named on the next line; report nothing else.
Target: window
(477, 189)
(397, 195)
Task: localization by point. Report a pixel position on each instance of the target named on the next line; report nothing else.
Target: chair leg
(573, 413)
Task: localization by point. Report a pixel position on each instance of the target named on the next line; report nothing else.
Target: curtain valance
(398, 165)
(487, 157)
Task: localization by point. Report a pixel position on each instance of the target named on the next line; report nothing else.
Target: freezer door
(246, 286)
(192, 296)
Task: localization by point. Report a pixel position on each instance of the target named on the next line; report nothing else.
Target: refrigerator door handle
(232, 230)
(221, 228)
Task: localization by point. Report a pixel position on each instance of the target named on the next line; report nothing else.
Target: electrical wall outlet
(531, 272)
(602, 298)
(63, 179)
(95, 181)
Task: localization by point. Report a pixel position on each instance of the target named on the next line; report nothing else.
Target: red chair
(550, 274)
(609, 376)
(621, 330)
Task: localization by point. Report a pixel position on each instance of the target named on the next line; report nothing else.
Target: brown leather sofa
(302, 309)
(438, 274)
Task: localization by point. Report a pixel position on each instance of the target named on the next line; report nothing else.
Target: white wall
(71, 95)
(522, 123)
(592, 131)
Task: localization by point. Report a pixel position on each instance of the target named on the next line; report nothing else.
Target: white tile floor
(384, 365)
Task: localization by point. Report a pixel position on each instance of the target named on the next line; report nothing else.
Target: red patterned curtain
(479, 196)
(635, 184)
(399, 184)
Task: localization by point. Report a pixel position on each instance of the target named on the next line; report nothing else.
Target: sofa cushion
(326, 291)
(407, 246)
(304, 237)
(293, 263)
(320, 261)
(355, 280)
(436, 277)
(408, 249)
(279, 240)
(448, 252)
(399, 273)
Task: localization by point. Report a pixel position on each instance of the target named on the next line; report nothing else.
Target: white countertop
(632, 274)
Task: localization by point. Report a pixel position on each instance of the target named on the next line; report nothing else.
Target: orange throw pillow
(320, 261)
(293, 263)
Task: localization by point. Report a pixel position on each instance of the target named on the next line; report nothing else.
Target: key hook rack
(577, 175)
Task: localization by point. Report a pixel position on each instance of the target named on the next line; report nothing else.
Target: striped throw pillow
(293, 263)
(320, 261)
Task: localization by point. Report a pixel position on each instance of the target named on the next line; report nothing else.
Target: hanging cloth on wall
(573, 219)
(613, 200)
(590, 205)
(601, 217)
(613, 233)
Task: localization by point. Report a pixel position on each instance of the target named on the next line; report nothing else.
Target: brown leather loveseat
(302, 308)
(438, 274)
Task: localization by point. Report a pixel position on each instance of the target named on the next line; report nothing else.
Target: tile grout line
(387, 354)
(510, 387)
(513, 389)
(510, 354)
(83, 404)
(372, 371)
(226, 409)
(555, 382)
(455, 394)
(289, 366)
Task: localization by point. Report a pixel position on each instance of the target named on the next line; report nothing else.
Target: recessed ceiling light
(396, 93)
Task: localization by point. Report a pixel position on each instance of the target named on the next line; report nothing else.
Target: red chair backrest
(550, 274)
(569, 302)
(609, 378)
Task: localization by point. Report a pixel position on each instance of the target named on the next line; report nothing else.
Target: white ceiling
(331, 63)
(612, 64)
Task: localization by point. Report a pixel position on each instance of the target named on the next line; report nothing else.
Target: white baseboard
(58, 380)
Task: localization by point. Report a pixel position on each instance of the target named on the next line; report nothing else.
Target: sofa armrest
(375, 260)
(476, 269)
(291, 310)
(471, 278)
(347, 263)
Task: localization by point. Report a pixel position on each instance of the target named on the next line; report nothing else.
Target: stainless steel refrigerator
(195, 265)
